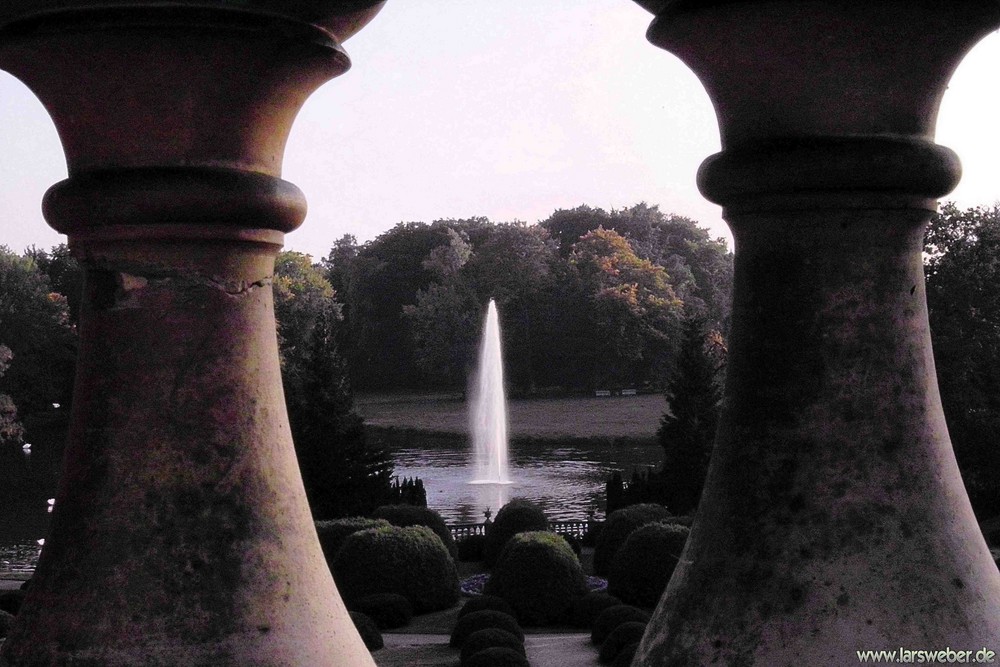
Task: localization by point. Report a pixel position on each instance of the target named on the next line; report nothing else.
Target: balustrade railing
(577, 529)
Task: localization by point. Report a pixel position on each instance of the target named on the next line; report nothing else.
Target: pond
(567, 478)
(27, 481)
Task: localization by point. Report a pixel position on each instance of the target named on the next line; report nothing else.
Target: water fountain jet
(488, 414)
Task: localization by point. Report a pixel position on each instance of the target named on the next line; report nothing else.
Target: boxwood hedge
(411, 561)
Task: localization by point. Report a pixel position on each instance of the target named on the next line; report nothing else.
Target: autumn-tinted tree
(962, 266)
(700, 267)
(633, 311)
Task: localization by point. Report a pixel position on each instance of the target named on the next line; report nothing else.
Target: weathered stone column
(181, 533)
(834, 518)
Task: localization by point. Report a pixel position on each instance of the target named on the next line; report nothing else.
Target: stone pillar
(834, 518)
(181, 533)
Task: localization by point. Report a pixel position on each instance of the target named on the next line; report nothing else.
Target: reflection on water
(27, 483)
(568, 481)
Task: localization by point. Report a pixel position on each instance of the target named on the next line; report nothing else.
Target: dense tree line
(587, 298)
(39, 304)
(962, 266)
(37, 343)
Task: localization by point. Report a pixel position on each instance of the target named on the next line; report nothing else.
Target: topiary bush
(626, 655)
(586, 608)
(517, 516)
(619, 638)
(612, 617)
(481, 620)
(388, 610)
(333, 533)
(369, 632)
(644, 563)
(412, 515)
(471, 548)
(486, 602)
(488, 638)
(539, 575)
(10, 601)
(617, 528)
(497, 656)
(6, 623)
(410, 561)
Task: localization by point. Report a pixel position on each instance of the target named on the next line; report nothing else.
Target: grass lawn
(632, 417)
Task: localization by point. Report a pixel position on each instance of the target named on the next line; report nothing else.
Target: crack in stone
(124, 282)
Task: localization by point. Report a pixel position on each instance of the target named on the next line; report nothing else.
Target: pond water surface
(566, 479)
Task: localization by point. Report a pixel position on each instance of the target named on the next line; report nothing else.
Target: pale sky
(460, 108)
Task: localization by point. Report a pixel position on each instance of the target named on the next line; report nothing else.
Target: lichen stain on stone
(196, 537)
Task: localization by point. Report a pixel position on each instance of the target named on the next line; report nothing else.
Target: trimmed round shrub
(626, 655)
(643, 565)
(409, 561)
(517, 516)
(620, 637)
(617, 528)
(471, 548)
(481, 620)
(612, 617)
(369, 632)
(539, 575)
(333, 533)
(497, 656)
(6, 623)
(488, 638)
(10, 601)
(486, 602)
(586, 608)
(412, 515)
(388, 610)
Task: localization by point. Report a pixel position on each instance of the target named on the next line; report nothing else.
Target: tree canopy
(962, 266)
(35, 329)
(587, 298)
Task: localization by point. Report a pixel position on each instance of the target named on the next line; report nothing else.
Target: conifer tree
(342, 473)
(687, 430)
